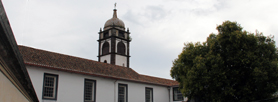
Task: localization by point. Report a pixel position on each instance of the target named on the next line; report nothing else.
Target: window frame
(177, 88)
(148, 88)
(94, 90)
(54, 89)
(126, 91)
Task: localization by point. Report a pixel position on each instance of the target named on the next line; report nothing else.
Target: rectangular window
(177, 95)
(89, 90)
(50, 83)
(122, 93)
(149, 94)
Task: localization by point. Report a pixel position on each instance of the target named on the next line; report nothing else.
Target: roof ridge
(43, 65)
(156, 77)
(55, 53)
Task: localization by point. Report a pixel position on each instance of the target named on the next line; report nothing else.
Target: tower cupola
(114, 42)
(114, 21)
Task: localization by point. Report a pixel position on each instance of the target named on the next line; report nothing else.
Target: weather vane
(115, 5)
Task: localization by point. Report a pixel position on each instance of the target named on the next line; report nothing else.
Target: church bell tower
(114, 42)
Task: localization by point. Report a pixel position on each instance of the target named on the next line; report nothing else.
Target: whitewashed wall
(71, 87)
(121, 60)
(136, 92)
(106, 57)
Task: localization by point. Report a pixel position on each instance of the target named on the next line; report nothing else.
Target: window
(50, 84)
(149, 94)
(89, 90)
(121, 34)
(105, 48)
(106, 34)
(177, 95)
(121, 48)
(122, 93)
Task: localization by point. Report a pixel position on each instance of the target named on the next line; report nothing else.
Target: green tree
(231, 66)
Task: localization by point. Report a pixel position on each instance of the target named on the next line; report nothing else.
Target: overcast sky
(159, 28)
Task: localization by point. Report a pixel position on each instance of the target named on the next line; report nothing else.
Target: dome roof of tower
(114, 21)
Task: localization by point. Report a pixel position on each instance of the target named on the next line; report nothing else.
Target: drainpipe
(169, 88)
(115, 90)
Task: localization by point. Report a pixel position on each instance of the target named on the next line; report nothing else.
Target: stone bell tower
(114, 42)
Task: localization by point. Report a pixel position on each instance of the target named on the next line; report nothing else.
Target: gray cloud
(158, 27)
(129, 16)
(154, 13)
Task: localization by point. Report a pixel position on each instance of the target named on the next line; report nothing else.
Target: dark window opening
(121, 48)
(50, 84)
(89, 90)
(121, 35)
(122, 93)
(105, 61)
(105, 48)
(149, 94)
(105, 34)
(177, 95)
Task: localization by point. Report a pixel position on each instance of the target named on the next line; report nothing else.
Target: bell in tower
(114, 42)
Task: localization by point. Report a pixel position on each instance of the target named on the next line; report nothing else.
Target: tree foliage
(231, 66)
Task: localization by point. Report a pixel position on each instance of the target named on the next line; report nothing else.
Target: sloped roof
(56, 61)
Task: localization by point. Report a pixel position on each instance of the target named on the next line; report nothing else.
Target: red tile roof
(56, 61)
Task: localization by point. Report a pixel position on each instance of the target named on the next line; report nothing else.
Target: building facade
(70, 87)
(63, 78)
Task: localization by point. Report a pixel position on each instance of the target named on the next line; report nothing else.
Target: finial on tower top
(115, 5)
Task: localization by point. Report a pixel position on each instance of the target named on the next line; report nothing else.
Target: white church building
(64, 78)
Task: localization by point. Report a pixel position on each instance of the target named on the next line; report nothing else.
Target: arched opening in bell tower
(105, 48)
(121, 48)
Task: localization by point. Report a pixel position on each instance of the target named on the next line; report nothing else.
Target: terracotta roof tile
(62, 62)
